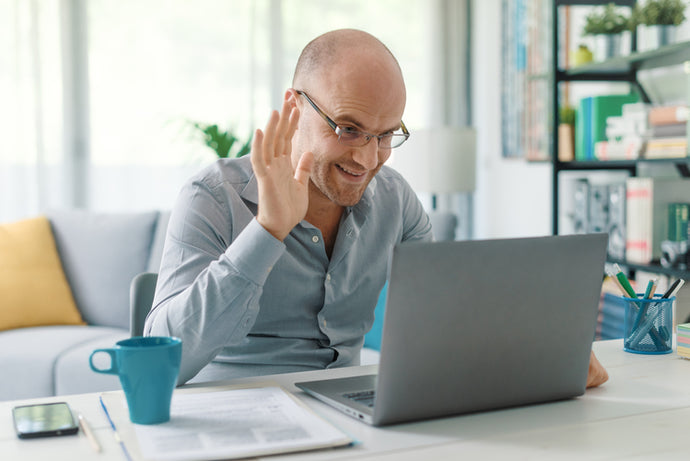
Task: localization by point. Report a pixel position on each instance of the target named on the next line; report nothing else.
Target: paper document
(229, 424)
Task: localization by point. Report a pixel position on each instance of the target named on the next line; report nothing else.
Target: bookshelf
(618, 69)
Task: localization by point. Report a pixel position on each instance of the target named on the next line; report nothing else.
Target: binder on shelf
(590, 121)
(647, 202)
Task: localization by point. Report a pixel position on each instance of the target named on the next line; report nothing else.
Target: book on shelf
(668, 115)
(670, 130)
(646, 221)
(667, 147)
(627, 149)
(591, 121)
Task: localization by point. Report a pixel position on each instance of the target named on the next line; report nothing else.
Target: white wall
(513, 197)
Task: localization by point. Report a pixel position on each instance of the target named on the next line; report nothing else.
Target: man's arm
(209, 285)
(208, 289)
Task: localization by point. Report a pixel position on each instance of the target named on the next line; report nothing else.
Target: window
(153, 67)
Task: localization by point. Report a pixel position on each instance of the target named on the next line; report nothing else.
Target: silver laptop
(479, 325)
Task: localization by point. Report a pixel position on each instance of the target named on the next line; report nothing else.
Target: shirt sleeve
(416, 222)
(210, 283)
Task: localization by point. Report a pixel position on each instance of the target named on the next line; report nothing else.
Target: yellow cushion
(33, 287)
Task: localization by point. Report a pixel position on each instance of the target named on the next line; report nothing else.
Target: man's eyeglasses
(350, 136)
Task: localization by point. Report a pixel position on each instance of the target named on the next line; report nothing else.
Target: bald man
(274, 262)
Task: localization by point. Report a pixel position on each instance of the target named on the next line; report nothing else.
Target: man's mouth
(350, 172)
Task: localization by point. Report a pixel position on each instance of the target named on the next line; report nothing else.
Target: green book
(590, 121)
(604, 107)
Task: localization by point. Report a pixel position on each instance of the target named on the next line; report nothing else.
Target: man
(276, 265)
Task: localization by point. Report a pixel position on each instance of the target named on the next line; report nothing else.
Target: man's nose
(368, 155)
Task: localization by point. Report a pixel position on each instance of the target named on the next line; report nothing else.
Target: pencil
(89, 433)
(618, 284)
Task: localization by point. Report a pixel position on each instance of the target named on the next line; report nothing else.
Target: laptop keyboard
(365, 398)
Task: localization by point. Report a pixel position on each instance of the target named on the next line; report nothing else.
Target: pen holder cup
(648, 325)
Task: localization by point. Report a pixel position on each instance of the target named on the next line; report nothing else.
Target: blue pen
(648, 325)
(648, 294)
(116, 434)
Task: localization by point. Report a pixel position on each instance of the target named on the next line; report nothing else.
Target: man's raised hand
(283, 190)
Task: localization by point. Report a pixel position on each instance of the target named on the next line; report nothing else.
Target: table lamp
(439, 161)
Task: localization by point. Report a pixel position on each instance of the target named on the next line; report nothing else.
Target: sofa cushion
(30, 356)
(158, 242)
(33, 287)
(101, 254)
(72, 372)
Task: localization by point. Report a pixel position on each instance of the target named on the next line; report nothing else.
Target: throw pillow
(33, 287)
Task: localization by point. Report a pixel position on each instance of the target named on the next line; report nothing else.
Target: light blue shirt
(245, 303)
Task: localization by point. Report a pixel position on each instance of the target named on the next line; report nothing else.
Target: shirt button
(315, 239)
(328, 277)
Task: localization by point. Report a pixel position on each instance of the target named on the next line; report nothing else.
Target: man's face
(341, 173)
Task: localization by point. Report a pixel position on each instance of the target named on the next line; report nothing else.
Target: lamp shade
(438, 160)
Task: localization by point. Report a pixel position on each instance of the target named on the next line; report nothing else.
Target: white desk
(642, 412)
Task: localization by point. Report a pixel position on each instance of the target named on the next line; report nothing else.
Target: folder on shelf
(590, 121)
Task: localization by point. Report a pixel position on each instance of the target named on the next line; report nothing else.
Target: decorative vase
(582, 56)
(653, 37)
(566, 142)
(606, 46)
(663, 35)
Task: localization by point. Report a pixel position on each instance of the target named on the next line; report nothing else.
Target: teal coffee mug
(148, 367)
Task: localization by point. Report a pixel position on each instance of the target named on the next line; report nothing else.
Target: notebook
(479, 325)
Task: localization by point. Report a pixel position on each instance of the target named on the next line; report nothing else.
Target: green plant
(659, 13)
(605, 21)
(222, 141)
(566, 115)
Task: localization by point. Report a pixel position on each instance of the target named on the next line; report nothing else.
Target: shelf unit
(618, 69)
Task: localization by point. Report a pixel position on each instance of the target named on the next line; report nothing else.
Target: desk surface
(638, 414)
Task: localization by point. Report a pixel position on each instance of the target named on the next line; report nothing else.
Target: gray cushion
(101, 254)
(29, 356)
(72, 372)
(158, 242)
(443, 225)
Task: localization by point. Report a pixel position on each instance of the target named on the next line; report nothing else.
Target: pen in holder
(648, 325)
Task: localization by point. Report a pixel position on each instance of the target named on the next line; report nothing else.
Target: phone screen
(44, 420)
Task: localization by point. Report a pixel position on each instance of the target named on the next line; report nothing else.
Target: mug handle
(113, 364)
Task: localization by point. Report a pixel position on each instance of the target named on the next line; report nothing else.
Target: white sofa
(100, 254)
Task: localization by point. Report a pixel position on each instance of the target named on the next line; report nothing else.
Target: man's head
(356, 81)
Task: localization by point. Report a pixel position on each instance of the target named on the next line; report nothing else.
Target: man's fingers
(292, 127)
(597, 374)
(256, 156)
(281, 130)
(268, 144)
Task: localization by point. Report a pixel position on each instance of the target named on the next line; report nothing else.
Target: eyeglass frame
(368, 136)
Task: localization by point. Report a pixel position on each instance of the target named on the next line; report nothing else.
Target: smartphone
(44, 420)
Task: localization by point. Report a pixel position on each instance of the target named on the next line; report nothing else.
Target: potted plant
(607, 25)
(657, 22)
(222, 141)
